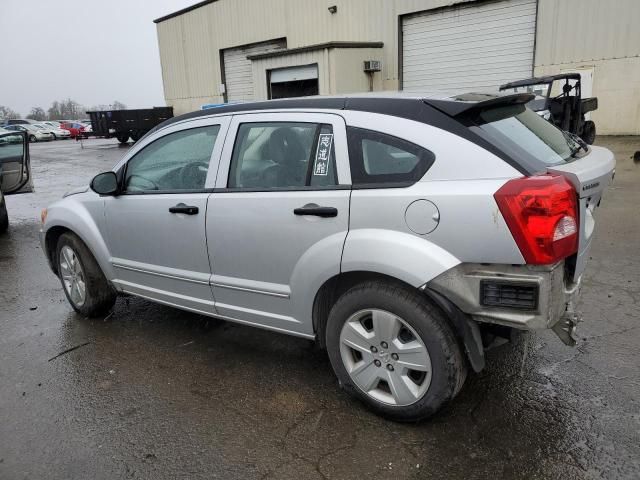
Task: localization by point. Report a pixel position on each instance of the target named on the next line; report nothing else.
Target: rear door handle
(186, 209)
(313, 209)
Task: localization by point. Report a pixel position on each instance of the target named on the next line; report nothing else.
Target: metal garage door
(237, 68)
(472, 47)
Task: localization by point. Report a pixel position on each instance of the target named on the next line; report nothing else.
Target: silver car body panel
(462, 179)
(158, 254)
(83, 214)
(75, 191)
(164, 255)
(262, 257)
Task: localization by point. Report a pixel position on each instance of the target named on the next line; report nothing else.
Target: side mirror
(105, 183)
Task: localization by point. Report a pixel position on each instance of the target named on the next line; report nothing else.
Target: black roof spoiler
(537, 80)
(459, 108)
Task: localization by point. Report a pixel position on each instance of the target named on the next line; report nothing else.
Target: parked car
(55, 132)
(34, 134)
(15, 169)
(75, 129)
(404, 235)
(52, 123)
(18, 121)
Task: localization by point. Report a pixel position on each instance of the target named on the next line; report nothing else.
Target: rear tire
(4, 216)
(123, 138)
(83, 282)
(54, 136)
(395, 390)
(589, 132)
(32, 138)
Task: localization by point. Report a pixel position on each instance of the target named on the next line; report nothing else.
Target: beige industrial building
(238, 50)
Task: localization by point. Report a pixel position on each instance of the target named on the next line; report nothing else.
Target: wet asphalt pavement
(157, 393)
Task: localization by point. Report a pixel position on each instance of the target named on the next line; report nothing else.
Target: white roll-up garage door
(237, 68)
(476, 46)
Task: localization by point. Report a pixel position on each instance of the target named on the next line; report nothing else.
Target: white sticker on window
(323, 154)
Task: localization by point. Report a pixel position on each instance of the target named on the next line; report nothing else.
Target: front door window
(176, 162)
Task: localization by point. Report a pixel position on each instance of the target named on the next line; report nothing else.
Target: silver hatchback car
(403, 235)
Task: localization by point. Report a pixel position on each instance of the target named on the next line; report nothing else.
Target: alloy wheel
(385, 357)
(73, 277)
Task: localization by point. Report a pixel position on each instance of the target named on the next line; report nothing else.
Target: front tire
(83, 282)
(32, 138)
(54, 136)
(394, 350)
(123, 138)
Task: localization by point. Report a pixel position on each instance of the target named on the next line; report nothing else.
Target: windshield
(527, 137)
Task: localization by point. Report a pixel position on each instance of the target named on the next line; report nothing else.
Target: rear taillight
(542, 215)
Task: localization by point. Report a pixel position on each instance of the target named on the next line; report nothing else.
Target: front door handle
(186, 209)
(313, 209)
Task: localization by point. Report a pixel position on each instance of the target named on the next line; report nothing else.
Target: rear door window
(378, 159)
(282, 155)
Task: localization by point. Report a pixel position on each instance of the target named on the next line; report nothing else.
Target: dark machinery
(123, 124)
(559, 100)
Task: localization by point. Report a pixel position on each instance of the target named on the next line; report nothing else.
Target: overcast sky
(92, 51)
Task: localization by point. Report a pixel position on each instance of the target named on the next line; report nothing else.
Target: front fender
(409, 258)
(78, 213)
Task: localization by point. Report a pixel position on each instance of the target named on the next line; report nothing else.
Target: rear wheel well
(333, 288)
(465, 329)
(51, 243)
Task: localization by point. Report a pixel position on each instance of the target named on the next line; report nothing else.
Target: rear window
(526, 137)
(381, 160)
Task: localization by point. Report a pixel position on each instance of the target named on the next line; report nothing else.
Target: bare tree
(7, 113)
(37, 113)
(70, 109)
(99, 108)
(65, 110)
(54, 111)
(102, 107)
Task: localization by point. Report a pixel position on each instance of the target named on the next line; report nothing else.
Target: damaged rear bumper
(554, 292)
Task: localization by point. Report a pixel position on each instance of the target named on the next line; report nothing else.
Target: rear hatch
(536, 147)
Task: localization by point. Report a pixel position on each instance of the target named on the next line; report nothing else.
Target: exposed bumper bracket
(565, 328)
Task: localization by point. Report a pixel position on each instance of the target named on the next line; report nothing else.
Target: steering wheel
(194, 175)
(141, 183)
